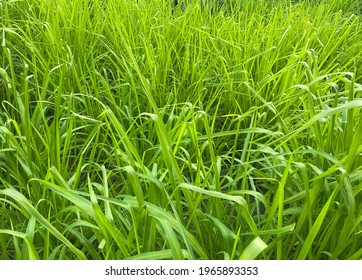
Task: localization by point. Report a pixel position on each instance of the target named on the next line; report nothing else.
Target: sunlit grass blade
(253, 249)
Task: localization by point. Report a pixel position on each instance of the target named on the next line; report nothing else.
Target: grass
(136, 130)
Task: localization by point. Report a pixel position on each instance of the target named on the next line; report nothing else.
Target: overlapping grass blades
(135, 130)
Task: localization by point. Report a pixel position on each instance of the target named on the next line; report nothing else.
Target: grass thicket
(135, 130)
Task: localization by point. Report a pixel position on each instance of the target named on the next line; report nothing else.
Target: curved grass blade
(172, 241)
(253, 249)
(238, 199)
(25, 203)
(32, 253)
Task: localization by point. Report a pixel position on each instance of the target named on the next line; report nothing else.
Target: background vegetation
(139, 130)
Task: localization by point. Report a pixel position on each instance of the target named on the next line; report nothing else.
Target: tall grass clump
(143, 130)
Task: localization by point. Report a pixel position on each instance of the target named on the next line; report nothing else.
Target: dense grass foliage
(139, 130)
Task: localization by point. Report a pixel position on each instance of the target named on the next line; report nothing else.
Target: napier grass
(139, 130)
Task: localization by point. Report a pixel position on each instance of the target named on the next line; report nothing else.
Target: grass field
(139, 130)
